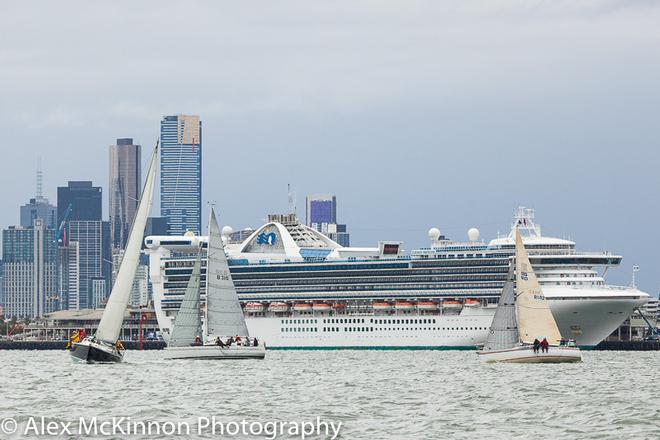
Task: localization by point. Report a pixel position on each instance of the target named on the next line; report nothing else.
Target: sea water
(365, 394)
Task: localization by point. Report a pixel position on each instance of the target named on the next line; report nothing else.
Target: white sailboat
(522, 318)
(104, 345)
(224, 316)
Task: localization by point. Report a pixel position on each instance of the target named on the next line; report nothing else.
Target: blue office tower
(181, 173)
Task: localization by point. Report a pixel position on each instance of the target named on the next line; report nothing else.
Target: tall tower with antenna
(39, 207)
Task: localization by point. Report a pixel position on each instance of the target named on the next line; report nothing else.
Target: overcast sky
(414, 113)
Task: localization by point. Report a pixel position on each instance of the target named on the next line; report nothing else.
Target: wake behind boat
(226, 335)
(104, 346)
(523, 328)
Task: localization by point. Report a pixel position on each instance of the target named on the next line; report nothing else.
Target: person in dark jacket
(545, 345)
(537, 345)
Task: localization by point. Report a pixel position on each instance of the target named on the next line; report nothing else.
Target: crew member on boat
(545, 345)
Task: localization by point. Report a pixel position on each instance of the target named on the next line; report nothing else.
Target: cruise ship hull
(586, 315)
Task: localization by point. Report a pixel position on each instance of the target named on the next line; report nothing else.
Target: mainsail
(535, 318)
(113, 315)
(188, 323)
(224, 316)
(504, 328)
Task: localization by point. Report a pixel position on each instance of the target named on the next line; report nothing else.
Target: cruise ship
(299, 289)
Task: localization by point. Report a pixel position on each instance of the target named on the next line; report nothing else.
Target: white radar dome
(434, 234)
(227, 231)
(473, 234)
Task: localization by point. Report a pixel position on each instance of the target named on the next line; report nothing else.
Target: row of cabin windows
(371, 329)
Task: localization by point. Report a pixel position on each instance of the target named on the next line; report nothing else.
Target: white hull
(525, 354)
(368, 331)
(215, 352)
(588, 321)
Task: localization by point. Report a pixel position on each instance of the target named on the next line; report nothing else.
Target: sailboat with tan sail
(523, 318)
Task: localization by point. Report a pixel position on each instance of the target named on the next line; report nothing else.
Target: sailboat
(224, 317)
(522, 316)
(104, 346)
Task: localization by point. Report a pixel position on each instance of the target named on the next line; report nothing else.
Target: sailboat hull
(91, 352)
(215, 352)
(525, 354)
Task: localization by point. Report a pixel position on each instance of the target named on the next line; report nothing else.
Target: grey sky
(415, 113)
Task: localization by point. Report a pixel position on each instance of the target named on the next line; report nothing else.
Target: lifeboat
(471, 302)
(302, 307)
(451, 304)
(427, 305)
(321, 307)
(254, 307)
(382, 306)
(404, 305)
(338, 306)
(278, 307)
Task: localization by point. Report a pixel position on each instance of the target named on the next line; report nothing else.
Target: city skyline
(551, 107)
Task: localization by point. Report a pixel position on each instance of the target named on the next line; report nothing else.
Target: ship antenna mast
(292, 198)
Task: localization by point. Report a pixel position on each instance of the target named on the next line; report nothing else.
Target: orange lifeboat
(404, 305)
(302, 307)
(382, 306)
(321, 307)
(427, 305)
(338, 306)
(278, 307)
(451, 304)
(254, 307)
(471, 302)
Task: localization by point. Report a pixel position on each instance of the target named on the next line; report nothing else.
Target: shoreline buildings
(181, 173)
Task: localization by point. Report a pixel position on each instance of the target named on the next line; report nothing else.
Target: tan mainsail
(535, 318)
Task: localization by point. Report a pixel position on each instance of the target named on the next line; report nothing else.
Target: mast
(113, 315)
(535, 318)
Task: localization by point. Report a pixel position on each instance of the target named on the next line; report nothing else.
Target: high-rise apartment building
(30, 286)
(124, 188)
(181, 173)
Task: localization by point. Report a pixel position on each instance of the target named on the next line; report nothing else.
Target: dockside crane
(60, 229)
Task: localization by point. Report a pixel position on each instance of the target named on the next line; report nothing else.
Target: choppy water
(374, 394)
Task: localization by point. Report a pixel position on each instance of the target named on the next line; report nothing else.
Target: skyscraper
(90, 258)
(321, 208)
(124, 187)
(29, 283)
(39, 207)
(84, 198)
(321, 214)
(181, 173)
